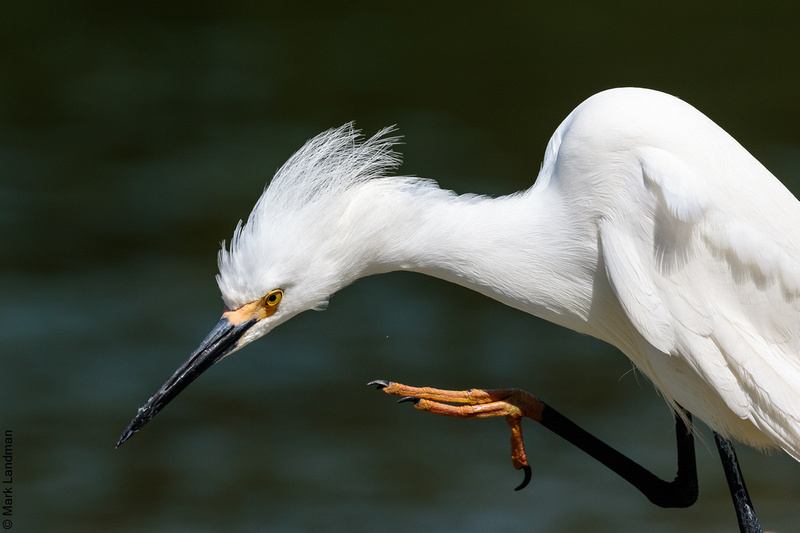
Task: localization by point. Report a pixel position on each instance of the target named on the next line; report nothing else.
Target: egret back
(698, 242)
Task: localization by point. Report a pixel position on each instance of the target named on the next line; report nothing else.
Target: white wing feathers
(709, 275)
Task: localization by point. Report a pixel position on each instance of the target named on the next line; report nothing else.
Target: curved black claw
(408, 399)
(527, 470)
(381, 383)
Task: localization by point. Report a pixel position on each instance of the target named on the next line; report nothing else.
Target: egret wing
(706, 267)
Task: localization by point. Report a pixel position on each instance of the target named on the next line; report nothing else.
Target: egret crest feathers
(300, 203)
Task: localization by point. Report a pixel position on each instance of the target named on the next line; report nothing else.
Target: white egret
(648, 227)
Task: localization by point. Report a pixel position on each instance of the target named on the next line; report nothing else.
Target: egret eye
(273, 298)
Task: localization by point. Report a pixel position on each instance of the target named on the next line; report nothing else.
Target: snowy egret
(648, 227)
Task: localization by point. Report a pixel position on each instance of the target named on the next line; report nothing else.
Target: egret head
(288, 257)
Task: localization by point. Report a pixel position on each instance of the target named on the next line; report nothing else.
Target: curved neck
(513, 248)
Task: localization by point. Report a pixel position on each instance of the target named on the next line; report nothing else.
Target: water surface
(132, 139)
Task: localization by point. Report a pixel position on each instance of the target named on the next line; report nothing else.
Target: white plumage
(648, 227)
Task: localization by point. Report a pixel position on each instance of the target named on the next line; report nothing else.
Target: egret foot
(514, 404)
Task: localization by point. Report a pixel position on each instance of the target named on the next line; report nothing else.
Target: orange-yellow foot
(514, 404)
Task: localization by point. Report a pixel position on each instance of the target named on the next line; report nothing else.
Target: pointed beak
(222, 340)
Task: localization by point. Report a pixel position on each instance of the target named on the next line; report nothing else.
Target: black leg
(745, 514)
(515, 404)
(680, 492)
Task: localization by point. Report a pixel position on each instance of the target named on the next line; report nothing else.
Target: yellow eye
(273, 298)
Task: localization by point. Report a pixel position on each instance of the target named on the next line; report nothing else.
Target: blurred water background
(133, 137)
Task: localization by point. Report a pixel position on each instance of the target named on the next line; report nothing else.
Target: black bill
(222, 340)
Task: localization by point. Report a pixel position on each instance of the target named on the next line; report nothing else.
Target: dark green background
(133, 137)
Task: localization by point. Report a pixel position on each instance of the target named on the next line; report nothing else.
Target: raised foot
(514, 404)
